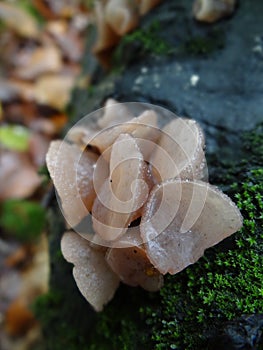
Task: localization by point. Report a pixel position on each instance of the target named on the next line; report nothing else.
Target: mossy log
(217, 302)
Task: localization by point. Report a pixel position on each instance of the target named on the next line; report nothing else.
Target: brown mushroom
(212, 10)
(72, 174)
(123, 194)
(107, 38)
(179, 151)
(114, 113)
(121, 15)
(182, 219)
(143, 126)
(132, 265)
(95, 280)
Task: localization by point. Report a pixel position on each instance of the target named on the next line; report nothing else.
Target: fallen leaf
(19, 20)
(18, 319)
(18, 257)
(38, 147)
(67, 39)
(49, 126)
(14, 137)
(43, 9)
(18, 177)
(54, 90)
(17, 88)
(32, 63)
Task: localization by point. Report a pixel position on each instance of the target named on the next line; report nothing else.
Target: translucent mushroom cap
(72, 173)
(152, 210)
(183, 218)
(94, 278)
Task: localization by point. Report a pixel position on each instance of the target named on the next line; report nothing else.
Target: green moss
(193, 305)
(223, 285)
(227, 282)
(23, 219)
(121, 325)
(61, 334)
(204, 45)
(143, 41)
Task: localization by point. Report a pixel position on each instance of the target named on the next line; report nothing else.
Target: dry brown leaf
(43, 9)
(19, 319)
(20, 112)
(49, 126)
(19, 256)
(67, 39)
(14, 88)
(35, 278)
(38, 147)
(64, 8)
(18, 177)
(54, 90)
(32, 63)
(19, 20)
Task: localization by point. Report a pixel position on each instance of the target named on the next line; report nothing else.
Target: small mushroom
(94, 278)
(212, 10)
(107, 38)
(115, 18)
(182, 219)
(121, 15)
(72, 174)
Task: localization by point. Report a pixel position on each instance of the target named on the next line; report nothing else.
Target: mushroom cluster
(141, 197)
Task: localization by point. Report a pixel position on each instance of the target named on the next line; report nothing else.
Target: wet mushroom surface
(122, 179)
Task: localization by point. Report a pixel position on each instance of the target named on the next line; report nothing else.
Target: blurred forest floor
(41, 45)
